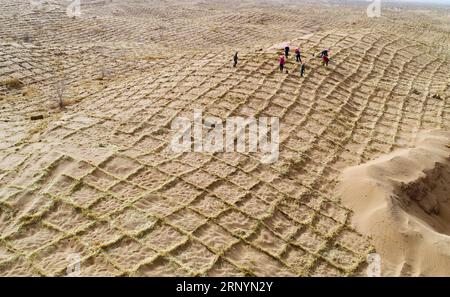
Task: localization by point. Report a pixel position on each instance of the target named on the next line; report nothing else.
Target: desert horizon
(224, 138)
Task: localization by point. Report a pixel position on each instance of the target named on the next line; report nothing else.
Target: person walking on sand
(282, 62)
(286, 51)
(298, 57)
(302, 69)
(324, 55)
(235, 59)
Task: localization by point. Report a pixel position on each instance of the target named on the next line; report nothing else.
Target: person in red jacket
(326, 60)
(282, 62)
(325, 56)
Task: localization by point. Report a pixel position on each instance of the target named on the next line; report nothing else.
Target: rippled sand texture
(98, 180)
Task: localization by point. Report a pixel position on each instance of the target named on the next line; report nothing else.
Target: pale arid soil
(97, 179)
(402, 199)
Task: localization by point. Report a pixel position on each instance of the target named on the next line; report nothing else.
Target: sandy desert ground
(358, 173)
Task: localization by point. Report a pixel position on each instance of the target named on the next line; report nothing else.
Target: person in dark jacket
(324, 53)
(302, 69)
(235, 59)
(298, 56)
(286, 51)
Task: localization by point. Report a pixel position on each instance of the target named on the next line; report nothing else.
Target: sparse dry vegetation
(59, 85)
(12, 83)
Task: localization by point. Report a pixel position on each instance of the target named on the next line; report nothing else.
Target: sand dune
(402, 200)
